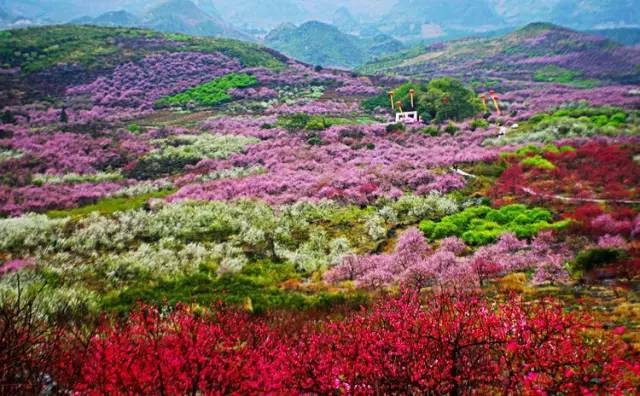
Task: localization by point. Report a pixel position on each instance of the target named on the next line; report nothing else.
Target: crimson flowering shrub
(593, 171)
(445, 344)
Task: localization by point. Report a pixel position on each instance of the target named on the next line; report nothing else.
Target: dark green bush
(395, 127)
(479, 123)
(597, 258)
(451, 129)
(314, 140)
(432, 131)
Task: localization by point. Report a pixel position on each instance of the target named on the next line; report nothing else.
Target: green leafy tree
(448, 99)
(64, 118)
(7, 117)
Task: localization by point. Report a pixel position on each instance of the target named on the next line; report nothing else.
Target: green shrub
(482, 225)
(579, 120)
(479, 123)
(314, 140)
(538, 162)
(395, 127)
(451, 129)
(597, 258)
(294, 122)
(317, 123)
(134, 128)
(432, 131)
(442, 99)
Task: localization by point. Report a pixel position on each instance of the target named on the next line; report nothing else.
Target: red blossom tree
(443, 344)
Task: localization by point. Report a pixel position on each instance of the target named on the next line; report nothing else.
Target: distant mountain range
(625, 36)
(174, 16)
(342, 33)
(538, 52)
(323, 44)
(412, 20)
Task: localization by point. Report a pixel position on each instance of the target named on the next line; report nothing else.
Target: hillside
(323, 44)
(51, 58)
(537, 52)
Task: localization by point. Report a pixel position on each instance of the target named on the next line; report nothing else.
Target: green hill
(323, 44)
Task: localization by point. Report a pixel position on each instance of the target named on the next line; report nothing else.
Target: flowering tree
(445, 344)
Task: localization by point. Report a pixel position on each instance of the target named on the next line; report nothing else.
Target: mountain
(579, 14)
(419, 19)
(176, 16)
(625, 36)
(209, 7)
(517, 12)
(172, 16)
(116, 18)
(323, 44)
(183, 16)
(344, 20)
(537, 52)
(596, 13)
(262, 14)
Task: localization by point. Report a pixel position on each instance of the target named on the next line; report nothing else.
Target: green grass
(555, 74)
(211, 93)
(110, 205)
(259, 283)
(560, 75)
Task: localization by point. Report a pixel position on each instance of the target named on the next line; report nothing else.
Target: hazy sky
(254, 13)
(74, 8)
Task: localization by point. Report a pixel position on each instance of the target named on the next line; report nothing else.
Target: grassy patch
(261, 285)
(211, 93)
(110, 205)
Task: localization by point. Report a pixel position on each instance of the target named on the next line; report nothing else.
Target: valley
(189, 214)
